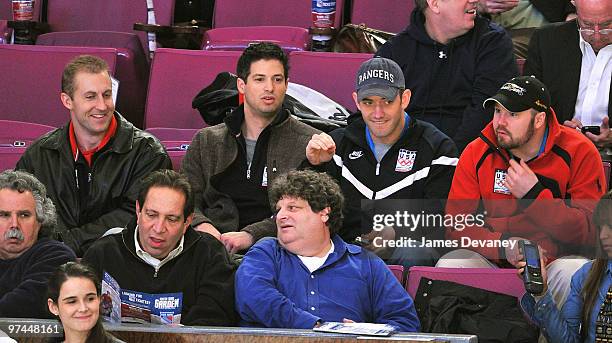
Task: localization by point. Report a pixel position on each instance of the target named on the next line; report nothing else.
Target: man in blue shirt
(309, 274)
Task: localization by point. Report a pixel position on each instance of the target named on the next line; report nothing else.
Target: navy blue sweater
(23, 280)
(450, 82)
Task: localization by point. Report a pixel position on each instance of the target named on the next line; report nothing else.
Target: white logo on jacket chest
(499, 185)
(405, 160)
(355, 154)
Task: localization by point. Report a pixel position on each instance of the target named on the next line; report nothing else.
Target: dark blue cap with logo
(379, 77)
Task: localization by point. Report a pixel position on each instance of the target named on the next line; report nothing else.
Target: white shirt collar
(585, 47)
(312, 262)
(592, 100)
(152, 261)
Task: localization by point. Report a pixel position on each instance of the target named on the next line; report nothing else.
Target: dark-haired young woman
(74, 296)
(586, 316)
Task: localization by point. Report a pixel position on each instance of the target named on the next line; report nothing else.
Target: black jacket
(215, 149)
(449, 307)
(450, 82)
(202, 272)
(361, 177)
(554, 57)
(116, 173)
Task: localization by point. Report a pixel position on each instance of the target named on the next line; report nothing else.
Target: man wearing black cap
(537, 180)
(385, 154)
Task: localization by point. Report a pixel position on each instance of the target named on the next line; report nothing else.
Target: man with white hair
(27, 257)
(574, 59)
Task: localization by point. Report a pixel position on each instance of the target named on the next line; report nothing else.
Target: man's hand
(496, 6)
(236, 241)
(604, 139)
(573, 124)
(209, 228)
(513, 255)
(386, 234)
(320, 149)
(520, 178)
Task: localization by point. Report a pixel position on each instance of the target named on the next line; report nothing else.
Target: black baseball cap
(522, 93)
(379, 76)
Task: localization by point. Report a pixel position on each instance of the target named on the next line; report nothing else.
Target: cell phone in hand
(532, 276)
(596, 130)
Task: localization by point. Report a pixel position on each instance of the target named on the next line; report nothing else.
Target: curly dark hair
(318, 189)
(260, 51)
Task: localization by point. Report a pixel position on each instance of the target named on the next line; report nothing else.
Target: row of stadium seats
(176, 76)
(118, 15)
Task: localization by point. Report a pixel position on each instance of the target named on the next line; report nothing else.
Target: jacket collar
(340, 248)
(235, 119)
(554, 131)
(121, 143)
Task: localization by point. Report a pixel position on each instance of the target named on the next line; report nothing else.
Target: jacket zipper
(249, 171)
(377, 168)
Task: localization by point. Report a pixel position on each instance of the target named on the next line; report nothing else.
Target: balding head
(595, 15)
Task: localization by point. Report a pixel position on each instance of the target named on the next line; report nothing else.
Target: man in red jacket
(533, 178)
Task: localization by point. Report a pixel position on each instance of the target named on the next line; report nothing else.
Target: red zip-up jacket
(556, 213)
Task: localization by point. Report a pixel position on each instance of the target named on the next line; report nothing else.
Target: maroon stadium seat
(378, 16)
(35, 74)
(289, 38)
(132, 65)
(176, 142)
(497, 280)
(176, 78)
(332, 74)
(109, 15)
(234, 13)
(4, 31)
(398, 272)
(15, 137)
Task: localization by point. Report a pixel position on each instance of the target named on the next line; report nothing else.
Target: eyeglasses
(590, 32)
